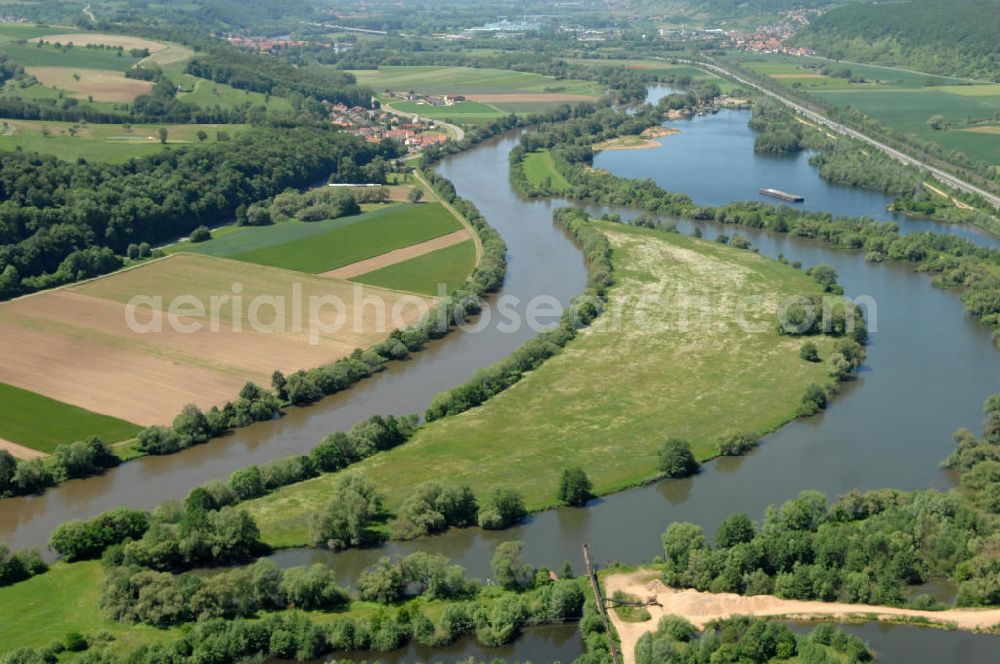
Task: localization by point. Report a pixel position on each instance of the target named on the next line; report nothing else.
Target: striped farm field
(435, 273)
(79, 345)
(370, 235)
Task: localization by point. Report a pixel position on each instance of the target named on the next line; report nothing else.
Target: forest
(61, 222)
(956, 38)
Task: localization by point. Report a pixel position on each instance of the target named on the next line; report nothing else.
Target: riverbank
(701, 608)
(643, 141)
(590, 406)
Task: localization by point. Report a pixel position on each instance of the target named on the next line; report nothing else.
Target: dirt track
(701, 608)
(398, 255)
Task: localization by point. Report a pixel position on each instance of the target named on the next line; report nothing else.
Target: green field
(590, 406)
(372, 235)
(450, 266)
(103, 142)
(77, 57)
(209, 94)
(431, 80)
(26, 412)
(902, 100)
(15, 31)
(43, 609)
(540, 170)
(230, 240)
(466, 112)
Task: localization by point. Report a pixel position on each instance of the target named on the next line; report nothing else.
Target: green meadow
(540, 169)
(227, 241)
(450, 266)
(209, 94)
(37, 54)
(16, 31)
(589, 406)
(24, 411)
(466, 112)
(66, 599)
(429, 80)
(104, 142)
(371, 235)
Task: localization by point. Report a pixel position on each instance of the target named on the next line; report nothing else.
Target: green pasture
(540, 169)
(450, 266)
(42, 423)
(429, 80)
(36, 54)
(104, 142)
(371, 235)
(590, 405)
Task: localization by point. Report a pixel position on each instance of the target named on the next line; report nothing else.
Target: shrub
(736, 443)
(574, 487)
(503, 509)
(809, 352)
(201, 234)
(83, 540)
(675, 459)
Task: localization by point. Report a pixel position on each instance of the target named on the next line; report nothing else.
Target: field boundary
(458, 215)
(20, 451)
(398, 255)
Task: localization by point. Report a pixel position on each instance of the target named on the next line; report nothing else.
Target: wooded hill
(956, 38)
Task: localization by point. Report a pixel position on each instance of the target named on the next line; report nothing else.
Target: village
(377, 124)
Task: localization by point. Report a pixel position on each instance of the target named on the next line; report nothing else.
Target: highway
(940, 175)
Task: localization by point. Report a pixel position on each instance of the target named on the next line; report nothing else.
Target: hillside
(954, 38)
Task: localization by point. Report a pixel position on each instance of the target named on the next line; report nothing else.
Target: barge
(783, 195)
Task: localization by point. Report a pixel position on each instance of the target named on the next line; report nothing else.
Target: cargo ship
(783, 195)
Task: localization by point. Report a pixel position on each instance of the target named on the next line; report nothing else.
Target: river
(929, 369)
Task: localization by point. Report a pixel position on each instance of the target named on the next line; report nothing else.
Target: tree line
(60, 221)
(68, 461)
(955, 262)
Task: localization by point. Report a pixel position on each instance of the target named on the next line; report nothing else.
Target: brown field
(398, 255)
(521, 97)
(75, 345)
(102, 85)
(985, 129)
(20, 451)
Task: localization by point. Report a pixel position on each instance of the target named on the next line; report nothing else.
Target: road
(940, 175)
(458, 131)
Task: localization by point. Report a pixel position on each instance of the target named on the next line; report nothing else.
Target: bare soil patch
(522, 97)
(700, 608)
(398, 255)
(102, 85)
(76, 344)
(20, 451)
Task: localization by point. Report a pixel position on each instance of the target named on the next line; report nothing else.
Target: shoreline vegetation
(643, 141)
(954, 263)
(502, 394)
(257, 404)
